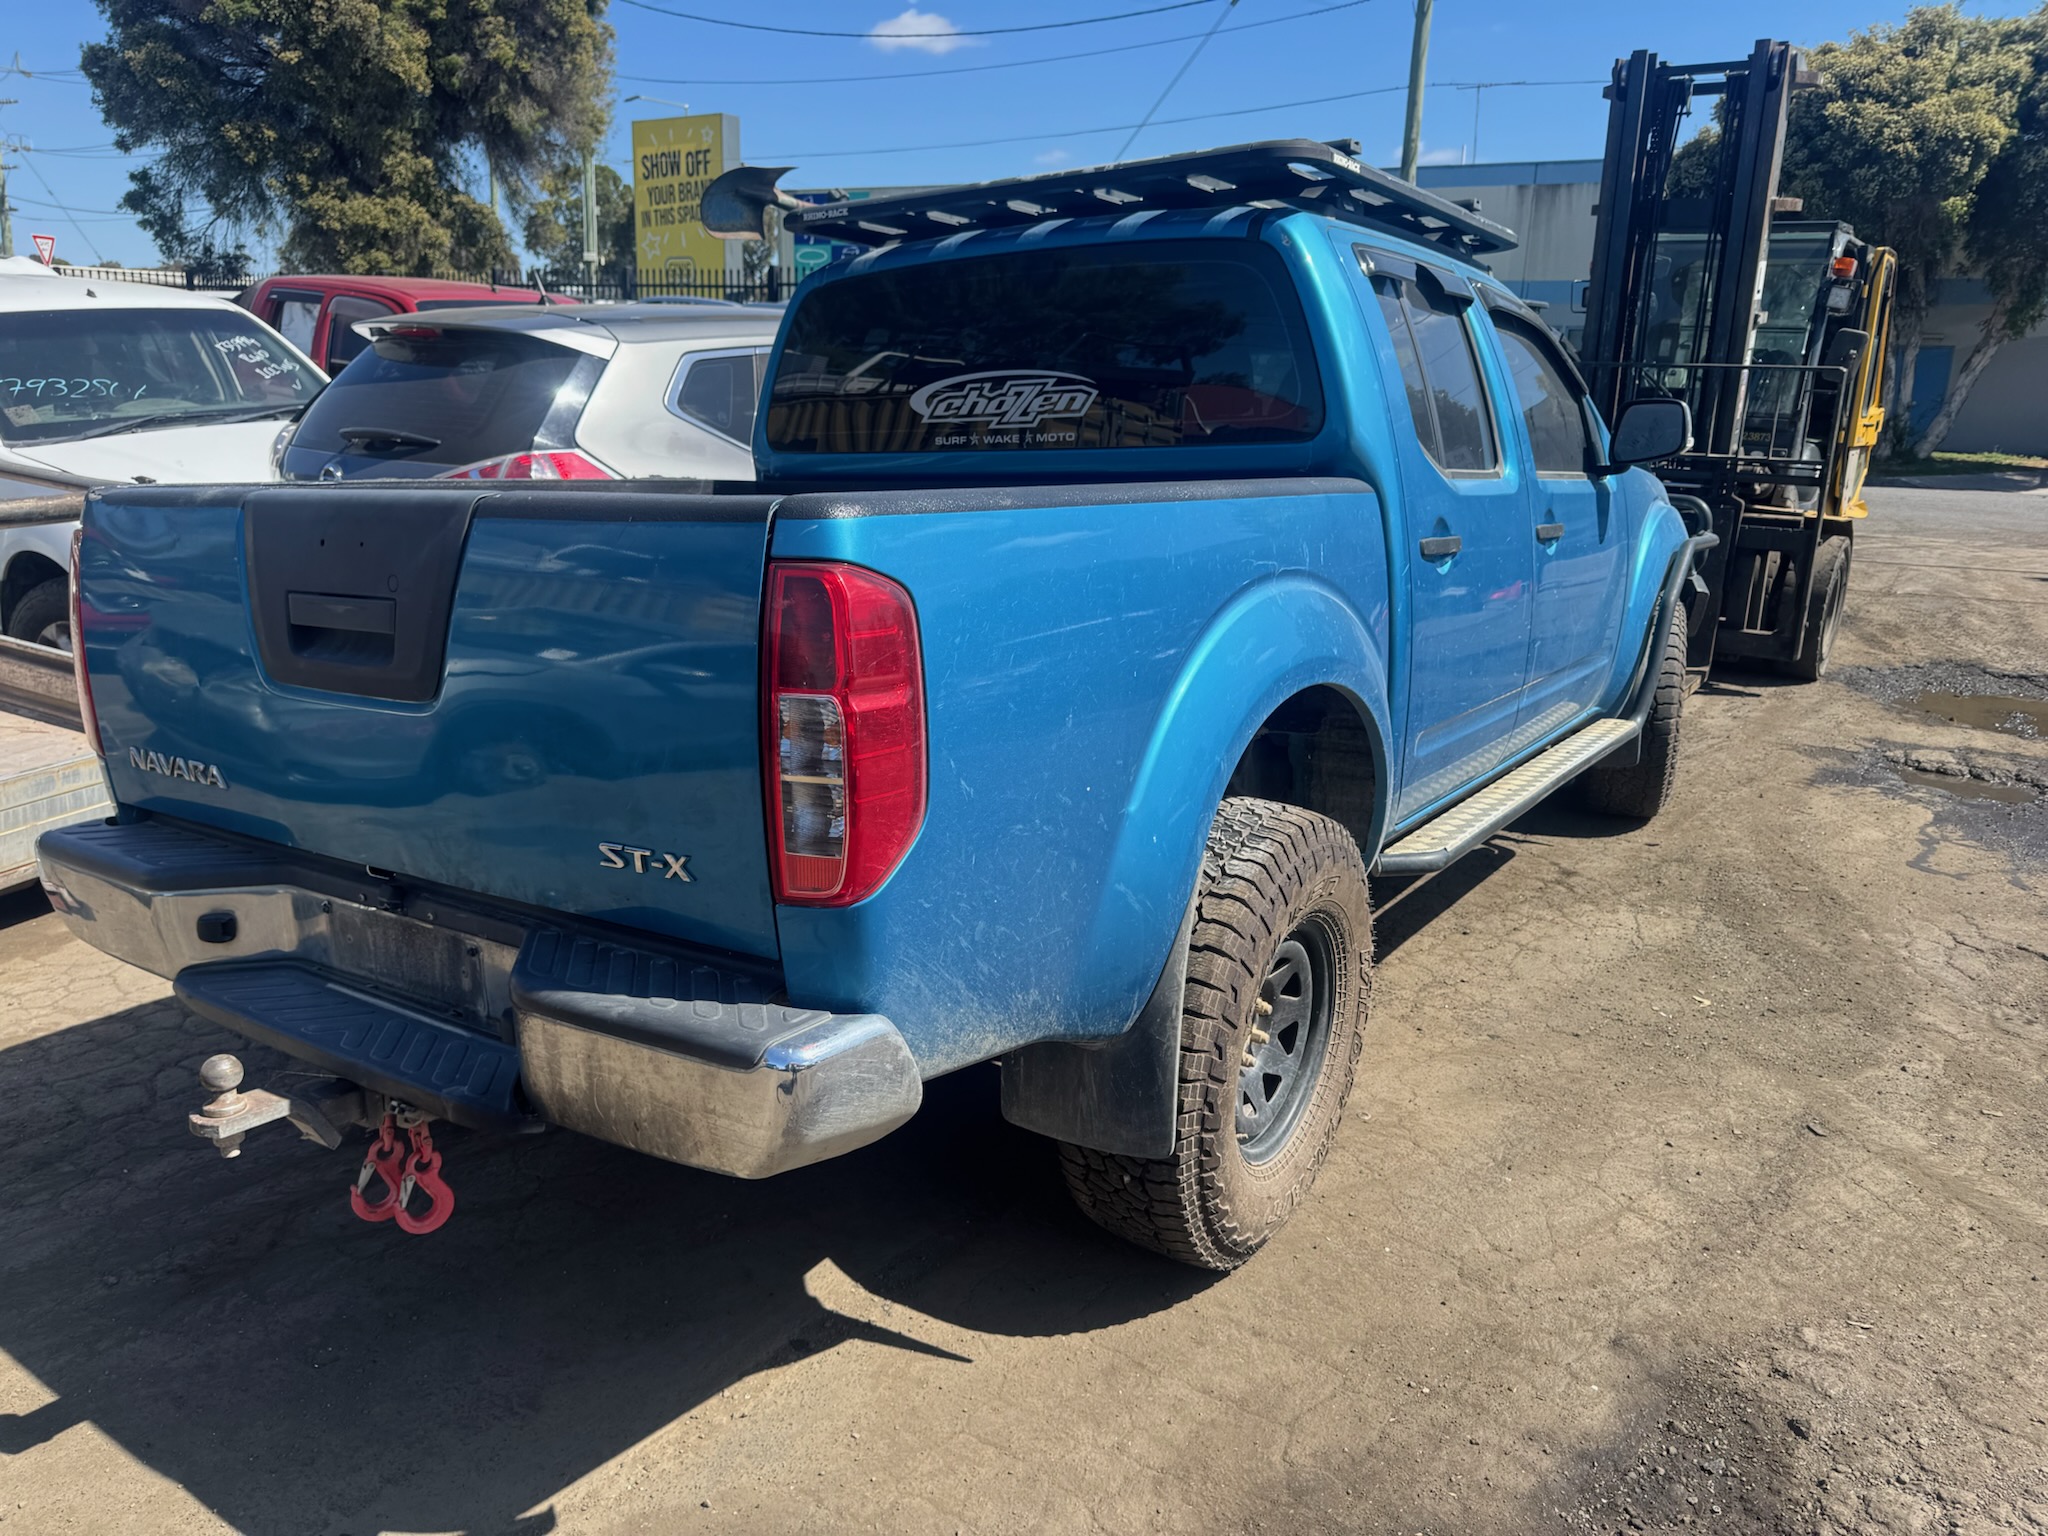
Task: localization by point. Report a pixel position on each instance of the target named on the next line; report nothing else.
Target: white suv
(583, 392)
(109, 383)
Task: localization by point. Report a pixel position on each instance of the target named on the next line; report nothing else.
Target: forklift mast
(1763, 327)
(1649, 104)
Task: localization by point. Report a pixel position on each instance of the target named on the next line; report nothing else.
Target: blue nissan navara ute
(1141, 558)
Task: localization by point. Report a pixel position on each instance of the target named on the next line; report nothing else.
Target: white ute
(113, 383)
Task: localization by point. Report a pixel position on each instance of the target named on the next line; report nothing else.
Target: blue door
(1469, 559)
(1578, 528)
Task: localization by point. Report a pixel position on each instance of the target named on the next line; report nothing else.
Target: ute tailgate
(548, 695)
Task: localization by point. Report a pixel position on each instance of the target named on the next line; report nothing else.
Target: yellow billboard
(674, 160)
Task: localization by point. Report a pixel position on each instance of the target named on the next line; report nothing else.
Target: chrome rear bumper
(477, 1018)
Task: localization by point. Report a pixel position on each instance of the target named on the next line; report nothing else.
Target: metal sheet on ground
(49, 777)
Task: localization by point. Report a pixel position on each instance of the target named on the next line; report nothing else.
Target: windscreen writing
(69, 374)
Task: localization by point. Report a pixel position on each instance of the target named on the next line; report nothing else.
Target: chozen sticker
(1005, 397)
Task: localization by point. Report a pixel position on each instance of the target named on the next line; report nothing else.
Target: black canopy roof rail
(1279, 173)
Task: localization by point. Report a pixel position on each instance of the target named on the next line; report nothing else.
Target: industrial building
(1549, 204)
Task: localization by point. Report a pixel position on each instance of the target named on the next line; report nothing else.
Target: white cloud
(922, 30)
(1051, 157)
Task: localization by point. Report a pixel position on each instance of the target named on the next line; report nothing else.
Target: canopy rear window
(1165, 344)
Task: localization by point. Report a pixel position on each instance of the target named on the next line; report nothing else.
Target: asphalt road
(1694, 1179)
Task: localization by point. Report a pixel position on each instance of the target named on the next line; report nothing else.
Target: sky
(962, 107)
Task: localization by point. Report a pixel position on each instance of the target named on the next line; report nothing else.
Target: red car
(316, 314)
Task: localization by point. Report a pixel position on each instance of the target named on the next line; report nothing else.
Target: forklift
(1772, 329)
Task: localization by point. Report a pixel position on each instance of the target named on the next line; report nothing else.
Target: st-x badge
(645, 861)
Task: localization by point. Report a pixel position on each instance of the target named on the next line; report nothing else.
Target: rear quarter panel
(1093, 670)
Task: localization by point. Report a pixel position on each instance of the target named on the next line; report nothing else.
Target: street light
(663, 100)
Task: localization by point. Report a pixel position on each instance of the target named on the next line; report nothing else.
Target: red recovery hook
(402, 1172)
(423, 1171)
(384, 1161)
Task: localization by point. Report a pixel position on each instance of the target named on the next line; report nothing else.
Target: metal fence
(771, 287)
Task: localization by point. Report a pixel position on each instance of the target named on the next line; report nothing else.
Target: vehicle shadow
(234, 1327)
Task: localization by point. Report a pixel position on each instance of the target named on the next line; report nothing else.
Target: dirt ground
(1695, 1178)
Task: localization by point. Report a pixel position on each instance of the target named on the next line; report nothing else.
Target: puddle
(1968, 789)
(2004, 713)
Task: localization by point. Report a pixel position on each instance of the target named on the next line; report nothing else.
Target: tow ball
(402, 1157)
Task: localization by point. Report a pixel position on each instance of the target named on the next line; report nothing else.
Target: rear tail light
(844, 707)
(88, 716)
(563, 464)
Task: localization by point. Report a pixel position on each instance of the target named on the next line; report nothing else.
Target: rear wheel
(1273, 1016)
(43, 616)
(1640, 789)
(1826, 595)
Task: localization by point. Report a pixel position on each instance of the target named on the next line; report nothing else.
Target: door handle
(1441, 549)
(1549, 533)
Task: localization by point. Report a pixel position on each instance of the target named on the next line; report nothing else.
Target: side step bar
(1444, 839)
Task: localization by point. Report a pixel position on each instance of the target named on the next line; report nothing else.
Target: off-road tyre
(1826, 594)
(1639, 790)
(1277, 884)
(43, 612)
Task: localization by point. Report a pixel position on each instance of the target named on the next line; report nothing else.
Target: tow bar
(323, 1111)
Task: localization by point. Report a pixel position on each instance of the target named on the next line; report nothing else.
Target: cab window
(1440, 371)
(1552, 408)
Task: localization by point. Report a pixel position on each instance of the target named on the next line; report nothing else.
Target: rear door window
(1160, 344)
(442, 399)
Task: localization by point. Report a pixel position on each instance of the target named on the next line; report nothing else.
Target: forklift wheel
(1825, 594)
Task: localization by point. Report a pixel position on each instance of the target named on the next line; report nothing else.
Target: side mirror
(1649, 430)
(1845, 348)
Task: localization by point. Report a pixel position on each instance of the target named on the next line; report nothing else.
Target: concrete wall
(2007, 412)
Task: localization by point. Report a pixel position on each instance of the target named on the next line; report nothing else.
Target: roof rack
(1325, 178)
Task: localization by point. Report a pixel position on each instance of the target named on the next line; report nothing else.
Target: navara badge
(177, 768)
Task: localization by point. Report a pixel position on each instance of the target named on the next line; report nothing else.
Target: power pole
(1418, 61)
(590, 221)
(6, 209)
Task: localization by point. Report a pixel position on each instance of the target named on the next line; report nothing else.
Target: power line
(976, 69)
(113, 213)
(1077, 133)
(1164, 122)
(30, 167)
(1185, 66)
(1037, 26)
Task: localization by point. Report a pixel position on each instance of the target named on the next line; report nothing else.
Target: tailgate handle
(359, 615)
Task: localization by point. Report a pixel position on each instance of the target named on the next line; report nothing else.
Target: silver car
(589, 392)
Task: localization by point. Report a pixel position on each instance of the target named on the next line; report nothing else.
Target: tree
(1896, 139)
(348, 127)
(554, 223)
(2005, 239)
